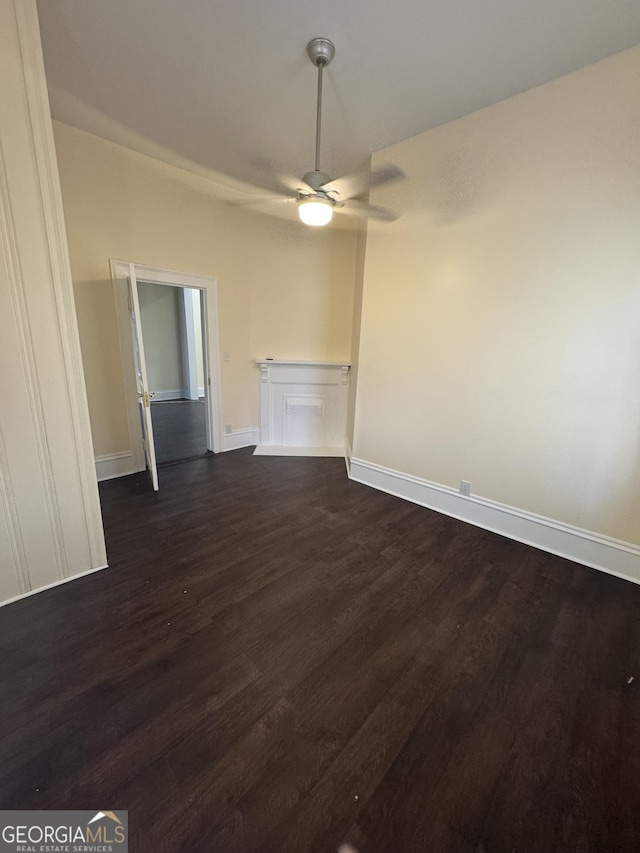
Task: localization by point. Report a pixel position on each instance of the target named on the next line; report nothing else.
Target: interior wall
(500, 341)
(285, 290)
(162, 333)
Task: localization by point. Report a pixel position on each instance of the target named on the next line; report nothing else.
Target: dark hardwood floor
(179, 430)
(279, 659)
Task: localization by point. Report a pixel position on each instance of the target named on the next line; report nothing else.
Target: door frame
(208, 286)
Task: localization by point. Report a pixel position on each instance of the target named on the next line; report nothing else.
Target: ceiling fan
(316, 195)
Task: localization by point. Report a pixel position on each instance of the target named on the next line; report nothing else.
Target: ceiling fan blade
(259, 199)
(347, 187)
(372, 211)
(292, 185)
(385, 175)
(352, 186)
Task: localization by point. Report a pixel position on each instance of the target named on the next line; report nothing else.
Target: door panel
(144, 397)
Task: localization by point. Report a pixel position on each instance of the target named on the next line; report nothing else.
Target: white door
(144, 397)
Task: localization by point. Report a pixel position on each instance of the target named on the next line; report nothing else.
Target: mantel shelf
(262, 361)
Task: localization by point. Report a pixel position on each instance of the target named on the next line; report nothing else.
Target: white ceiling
(225, 85)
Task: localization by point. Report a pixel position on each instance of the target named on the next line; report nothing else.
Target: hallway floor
(179, 429)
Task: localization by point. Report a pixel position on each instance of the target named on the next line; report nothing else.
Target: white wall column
(50, 521)
(190, 329)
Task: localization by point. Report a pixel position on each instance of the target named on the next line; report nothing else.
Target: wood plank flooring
(279, 659)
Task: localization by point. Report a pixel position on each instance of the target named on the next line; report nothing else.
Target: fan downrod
(321, 51)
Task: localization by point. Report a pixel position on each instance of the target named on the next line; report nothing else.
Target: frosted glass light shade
(315, 211)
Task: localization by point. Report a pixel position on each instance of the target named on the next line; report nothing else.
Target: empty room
(320, 432)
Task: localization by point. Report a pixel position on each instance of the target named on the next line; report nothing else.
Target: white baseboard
(170, 394)
(114, 465)
(582, 546)
(240, 438)
(51, 585)
(174, 394)
(348, 453)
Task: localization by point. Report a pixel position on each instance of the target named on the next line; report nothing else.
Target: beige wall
(160, 315)
(285, 291)
(500, 337)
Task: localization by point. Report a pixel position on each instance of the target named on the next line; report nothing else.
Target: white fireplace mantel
(303, 404)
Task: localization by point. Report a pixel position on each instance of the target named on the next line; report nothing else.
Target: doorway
(171, 320)
(168, 332)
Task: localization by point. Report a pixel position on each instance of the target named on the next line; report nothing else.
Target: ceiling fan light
(315, 211)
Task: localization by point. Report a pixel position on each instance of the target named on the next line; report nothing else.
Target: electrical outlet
(226, 355)
(465, 488)
(228, 429)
